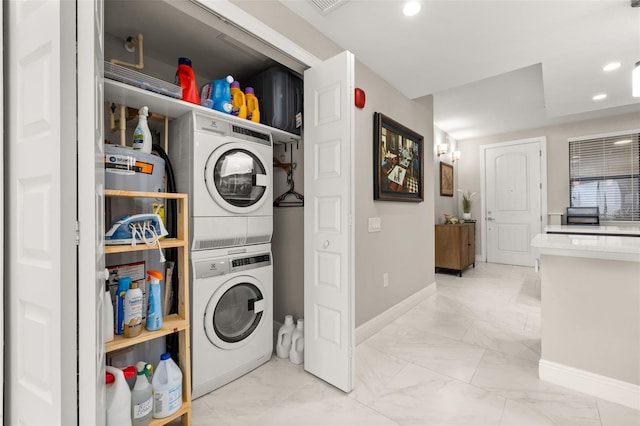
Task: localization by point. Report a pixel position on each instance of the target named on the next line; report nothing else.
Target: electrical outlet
(385, 279)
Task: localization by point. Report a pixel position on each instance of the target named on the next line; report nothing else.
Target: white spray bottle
(142, 134)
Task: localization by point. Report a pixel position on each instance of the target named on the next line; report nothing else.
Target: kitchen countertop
(625, 248)
(620, 230)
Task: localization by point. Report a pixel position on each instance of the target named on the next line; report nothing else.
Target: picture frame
(398, 161)
(446, 179)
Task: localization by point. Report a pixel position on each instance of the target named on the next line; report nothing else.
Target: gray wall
(557, 158)
(444, 204)
(404, 247)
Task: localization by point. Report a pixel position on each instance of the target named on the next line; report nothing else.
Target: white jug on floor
(283, 345)
(296, 354)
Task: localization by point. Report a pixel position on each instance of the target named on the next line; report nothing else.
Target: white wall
(557, 157)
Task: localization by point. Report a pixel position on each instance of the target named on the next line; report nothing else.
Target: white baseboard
(371, 327)
(603, 387)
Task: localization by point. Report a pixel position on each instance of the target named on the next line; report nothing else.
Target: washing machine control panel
(250, 262)
(211, 268)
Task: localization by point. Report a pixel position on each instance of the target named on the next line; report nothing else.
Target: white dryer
(232, 314)
(227, 170)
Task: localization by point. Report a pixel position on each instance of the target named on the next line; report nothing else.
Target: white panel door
(41, 364)
(513, 189)
(328, 232)
(1, 222)
(91, 358)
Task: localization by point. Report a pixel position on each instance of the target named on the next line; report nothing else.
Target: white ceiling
(494, 66)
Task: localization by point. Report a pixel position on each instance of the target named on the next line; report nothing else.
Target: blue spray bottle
(154, 311)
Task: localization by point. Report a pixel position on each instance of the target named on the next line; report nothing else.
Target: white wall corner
(603, 387)
(371, 327)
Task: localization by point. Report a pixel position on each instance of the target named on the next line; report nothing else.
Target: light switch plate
(374, 224)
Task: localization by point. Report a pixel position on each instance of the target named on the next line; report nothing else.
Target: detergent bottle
(238, 101)
(167, 387)
(253, 112)
(296, 354)
(142, 135)
(118, 398)
(141, 401)
(216, 94)
(283, 345)
(186, 79)
(123, 286)
(154, 310)
(133, 311)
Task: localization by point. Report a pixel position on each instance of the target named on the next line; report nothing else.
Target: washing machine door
(238, 177)
(234, 312)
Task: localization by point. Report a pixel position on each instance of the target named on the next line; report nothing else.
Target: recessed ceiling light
(599, 97)
(611, 66)
(411, 8)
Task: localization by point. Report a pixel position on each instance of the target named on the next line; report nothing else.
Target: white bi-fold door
(328, 218)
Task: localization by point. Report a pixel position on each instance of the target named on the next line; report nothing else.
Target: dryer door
(238, 178)
(234, 312)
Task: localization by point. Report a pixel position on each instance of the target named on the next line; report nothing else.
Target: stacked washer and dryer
(227, 170)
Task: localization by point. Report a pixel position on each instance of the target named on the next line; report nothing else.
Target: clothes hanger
(298, 199)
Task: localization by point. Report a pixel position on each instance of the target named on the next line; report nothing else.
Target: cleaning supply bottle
(186, 79)
(118, 398)
(108, 319)
(238, 101)
(142, 135)
(222, 94)
(141, 401)
(253, 111)
(296, 354)
(123, 287)
(283, 345)
(133, 311)
(146, 368)
(167, 387)
(154, 311)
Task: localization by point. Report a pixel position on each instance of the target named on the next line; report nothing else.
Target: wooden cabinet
(175, 323)
(455, 246)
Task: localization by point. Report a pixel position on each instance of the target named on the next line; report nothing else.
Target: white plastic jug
(296, 354)
(118, 401)
(141, 401)
(167, 387)
(283, 345)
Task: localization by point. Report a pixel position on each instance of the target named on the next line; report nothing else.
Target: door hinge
(77, 233)
(540, 185)
(540, 153)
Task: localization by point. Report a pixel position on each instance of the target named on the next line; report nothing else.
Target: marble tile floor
(466, 356)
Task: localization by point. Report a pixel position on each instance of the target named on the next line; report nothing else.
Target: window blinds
(605, 172)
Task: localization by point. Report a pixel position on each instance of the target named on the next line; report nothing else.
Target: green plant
(466, 200)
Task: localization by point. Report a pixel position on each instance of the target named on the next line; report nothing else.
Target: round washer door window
(233, 313)
(237, 178)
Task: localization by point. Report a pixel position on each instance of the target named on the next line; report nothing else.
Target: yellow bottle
(238, 101)
(253, 112)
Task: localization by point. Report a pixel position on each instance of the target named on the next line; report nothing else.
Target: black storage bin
(279, 94)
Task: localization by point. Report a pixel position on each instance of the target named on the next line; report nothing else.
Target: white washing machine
(232, 314)
(227, 170)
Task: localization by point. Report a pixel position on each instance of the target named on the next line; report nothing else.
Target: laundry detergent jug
(283, 345)
(118, 399)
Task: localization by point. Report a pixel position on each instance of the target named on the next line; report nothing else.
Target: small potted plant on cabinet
(466, 203)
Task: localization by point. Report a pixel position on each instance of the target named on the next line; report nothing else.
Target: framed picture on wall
(446, 179)
(398, 163)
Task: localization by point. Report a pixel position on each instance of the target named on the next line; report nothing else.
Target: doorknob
(325, 244)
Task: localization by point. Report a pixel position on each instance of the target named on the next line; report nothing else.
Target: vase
(466, 216)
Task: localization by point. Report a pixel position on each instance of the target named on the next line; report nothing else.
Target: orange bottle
(238, 101)
(253, 112)
(186, 79)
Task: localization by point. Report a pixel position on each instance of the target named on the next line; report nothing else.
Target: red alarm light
(359, 97)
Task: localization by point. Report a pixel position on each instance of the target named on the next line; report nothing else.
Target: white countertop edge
(601, 229)
(588, 246)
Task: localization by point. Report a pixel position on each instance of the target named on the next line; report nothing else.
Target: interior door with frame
(329, 278)
(513, 199)
(91, 257)
(40, 215)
